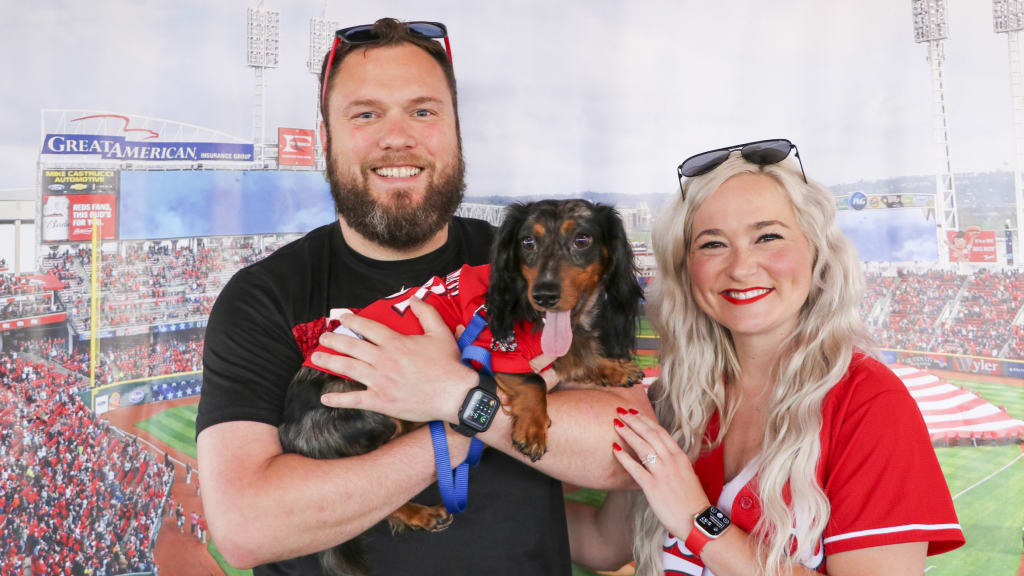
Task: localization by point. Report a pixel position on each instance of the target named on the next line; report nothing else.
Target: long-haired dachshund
(562, 282)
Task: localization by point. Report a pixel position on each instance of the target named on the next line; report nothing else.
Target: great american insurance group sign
(119, 148)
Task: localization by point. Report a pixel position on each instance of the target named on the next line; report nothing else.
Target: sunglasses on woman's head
(366, 34)
(761, 152)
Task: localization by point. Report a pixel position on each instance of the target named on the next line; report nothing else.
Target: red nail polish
(619, 423)
(621, 410)
(631, 411)
(616, 447)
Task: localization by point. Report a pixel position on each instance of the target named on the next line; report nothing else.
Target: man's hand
(414, 378)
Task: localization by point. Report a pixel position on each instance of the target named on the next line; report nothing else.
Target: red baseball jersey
(877, 467)
(457, 297)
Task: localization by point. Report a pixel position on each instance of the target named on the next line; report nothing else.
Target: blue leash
(455, 486)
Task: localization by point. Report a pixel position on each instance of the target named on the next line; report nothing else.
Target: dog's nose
(546, 294)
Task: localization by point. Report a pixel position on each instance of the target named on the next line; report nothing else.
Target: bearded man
(396, 173)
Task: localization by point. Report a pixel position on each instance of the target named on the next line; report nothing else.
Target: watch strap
(698, 537)
(696, 541)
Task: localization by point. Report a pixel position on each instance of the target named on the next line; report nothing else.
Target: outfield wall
(956, 362)
(103, 399)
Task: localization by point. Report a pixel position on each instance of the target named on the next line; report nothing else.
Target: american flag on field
(952, 412)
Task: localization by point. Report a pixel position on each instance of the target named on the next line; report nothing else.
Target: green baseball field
(987, 483)
(176, 427)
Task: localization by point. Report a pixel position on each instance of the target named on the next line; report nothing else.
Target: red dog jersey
(457, 297)
(877, 467)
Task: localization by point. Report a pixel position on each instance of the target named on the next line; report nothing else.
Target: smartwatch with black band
(707, 526)
(479, 407)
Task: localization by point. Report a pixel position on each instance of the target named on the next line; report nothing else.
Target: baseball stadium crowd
(124, 359)
(34, 305)
(153, 282)
(936, 311)
(19, 284)
(25, 296)
(76, 497)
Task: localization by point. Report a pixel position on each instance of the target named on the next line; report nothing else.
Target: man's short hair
(390, 32)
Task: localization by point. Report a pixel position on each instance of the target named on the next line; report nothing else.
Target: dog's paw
(530, 436)
(442, 521)
(533, 451)
(622, 373)
(412, 516)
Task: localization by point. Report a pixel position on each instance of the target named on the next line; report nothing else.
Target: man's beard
(400, 223)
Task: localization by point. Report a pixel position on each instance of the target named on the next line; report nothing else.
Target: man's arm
(264, 505)
(580, 437)
(407, 381)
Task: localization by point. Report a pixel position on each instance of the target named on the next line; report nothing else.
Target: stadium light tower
(1008, 18)
(262, 40)
(930, 27)
(321, 35)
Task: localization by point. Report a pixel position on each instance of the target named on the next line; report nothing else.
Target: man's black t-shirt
(515, 520)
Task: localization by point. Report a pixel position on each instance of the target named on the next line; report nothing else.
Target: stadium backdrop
(892, 219)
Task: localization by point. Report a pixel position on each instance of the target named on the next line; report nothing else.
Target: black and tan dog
(562, 271)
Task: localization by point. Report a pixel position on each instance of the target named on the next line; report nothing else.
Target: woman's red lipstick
(747, 299)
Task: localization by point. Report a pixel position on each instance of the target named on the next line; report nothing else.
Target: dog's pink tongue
(557, 336)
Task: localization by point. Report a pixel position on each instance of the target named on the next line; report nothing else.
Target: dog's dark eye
(582, 241)
(529, 244)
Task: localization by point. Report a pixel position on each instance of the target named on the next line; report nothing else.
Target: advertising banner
(1013, 369)
(114, 333)
(178, 326)
(119, 148)
(295, 147)
(73, 198)
(925, 360)
(976, 365)
(102, 405)
(1009, 247)
(889, 356)
(971, 245)
(30, 322)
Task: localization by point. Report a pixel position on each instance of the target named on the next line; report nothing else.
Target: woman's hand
(662, 470)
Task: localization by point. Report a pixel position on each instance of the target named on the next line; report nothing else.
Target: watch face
(479, 410)
(713, 521)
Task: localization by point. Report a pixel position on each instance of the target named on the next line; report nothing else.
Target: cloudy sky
(556, 97)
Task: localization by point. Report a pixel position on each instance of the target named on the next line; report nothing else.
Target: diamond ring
(651, 459)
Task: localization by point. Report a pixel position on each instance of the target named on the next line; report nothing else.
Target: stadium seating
(122, 360)
(153, 282)
(76, 496)
(940, 311)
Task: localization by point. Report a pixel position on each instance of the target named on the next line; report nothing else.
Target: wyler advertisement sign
(295, 147)
(119, 148)
(976, 365)
(72, 199)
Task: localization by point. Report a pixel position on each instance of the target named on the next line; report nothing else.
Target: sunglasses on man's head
(365, 34)
(761, 152)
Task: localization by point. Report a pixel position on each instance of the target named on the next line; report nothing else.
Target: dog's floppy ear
(622, 299)
(506, 297)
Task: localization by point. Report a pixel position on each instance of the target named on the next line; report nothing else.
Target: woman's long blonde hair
(696, 352)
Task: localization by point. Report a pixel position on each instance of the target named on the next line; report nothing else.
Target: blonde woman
(780, 447)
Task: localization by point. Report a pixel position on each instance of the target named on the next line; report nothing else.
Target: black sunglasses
(761, 152)
(365, 34)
